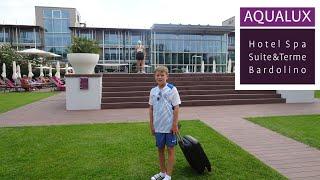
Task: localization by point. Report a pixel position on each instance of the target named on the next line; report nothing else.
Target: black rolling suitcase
(194, 153)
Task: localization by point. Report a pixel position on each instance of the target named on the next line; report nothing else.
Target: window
(127, 38)
(217, 46)
(174, 58)
(57, 40)
(48, 25)
(59, 50)
(121, 55)
(168, 45)
(186, 46)
(186, 58)
(7, 37)
(65, 25)
(210, 46)
(205, 46)
(127, 54)
(64, 52)
(56, 14)
(193, 37)
(2, 36)
(199, 47)
(85, 35)
(160, 36)
(135, 39)
(49, 40)
(66, 40)
(133, 54)
(161, 58)
(57, 23)
(180, 58)
(106, 54)
(174, 46)
(172, 36)
(224, 58)
(231, 55)
(112, 38)
(64, 14)
(231, 40)
(27, 37)
(193, 45)
(180, 45)
(161, 46)
(113, 54)
(168, 58)
(47, 13)
(57, 33)
(224, 46)
(38, 37)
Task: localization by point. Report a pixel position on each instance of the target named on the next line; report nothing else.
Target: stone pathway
(291, 158)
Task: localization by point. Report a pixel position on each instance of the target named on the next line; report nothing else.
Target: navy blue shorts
(168, 139)
(139, 56)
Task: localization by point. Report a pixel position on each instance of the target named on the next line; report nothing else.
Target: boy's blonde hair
(162, 69)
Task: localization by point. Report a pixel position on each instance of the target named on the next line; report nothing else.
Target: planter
(83, 63)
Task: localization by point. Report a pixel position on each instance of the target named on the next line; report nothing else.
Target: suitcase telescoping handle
(179, 136)
(178, 133)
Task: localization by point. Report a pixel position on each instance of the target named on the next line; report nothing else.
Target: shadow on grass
(188, 172)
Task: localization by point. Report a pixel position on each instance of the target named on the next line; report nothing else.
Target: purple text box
(255, 16)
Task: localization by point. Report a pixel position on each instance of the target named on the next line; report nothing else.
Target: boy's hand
(152, 131)
(174, 129)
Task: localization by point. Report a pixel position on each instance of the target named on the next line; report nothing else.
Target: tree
(9, 54)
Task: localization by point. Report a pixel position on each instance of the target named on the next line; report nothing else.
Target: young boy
(164, 109)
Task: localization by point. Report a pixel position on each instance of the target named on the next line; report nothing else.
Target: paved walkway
(291, 158)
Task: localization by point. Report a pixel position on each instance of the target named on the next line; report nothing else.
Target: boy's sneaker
(167, 177)
(158, 176)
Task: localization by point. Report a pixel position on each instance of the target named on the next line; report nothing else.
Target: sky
(124, 13)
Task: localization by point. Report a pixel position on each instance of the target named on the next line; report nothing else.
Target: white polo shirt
(163, 100)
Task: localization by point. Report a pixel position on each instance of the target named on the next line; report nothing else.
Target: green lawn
(304, 128)
(12, 100)
(115, 151)
(317, 94)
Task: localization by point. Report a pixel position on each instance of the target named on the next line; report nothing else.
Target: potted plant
(84, 55)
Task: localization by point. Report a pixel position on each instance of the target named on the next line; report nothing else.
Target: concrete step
(186, 92)
(144, 88)
(178, 83)
(195, 89)
(119, 105)
(191, 97)
(171, 79)
(170, 75)
(233, 102)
